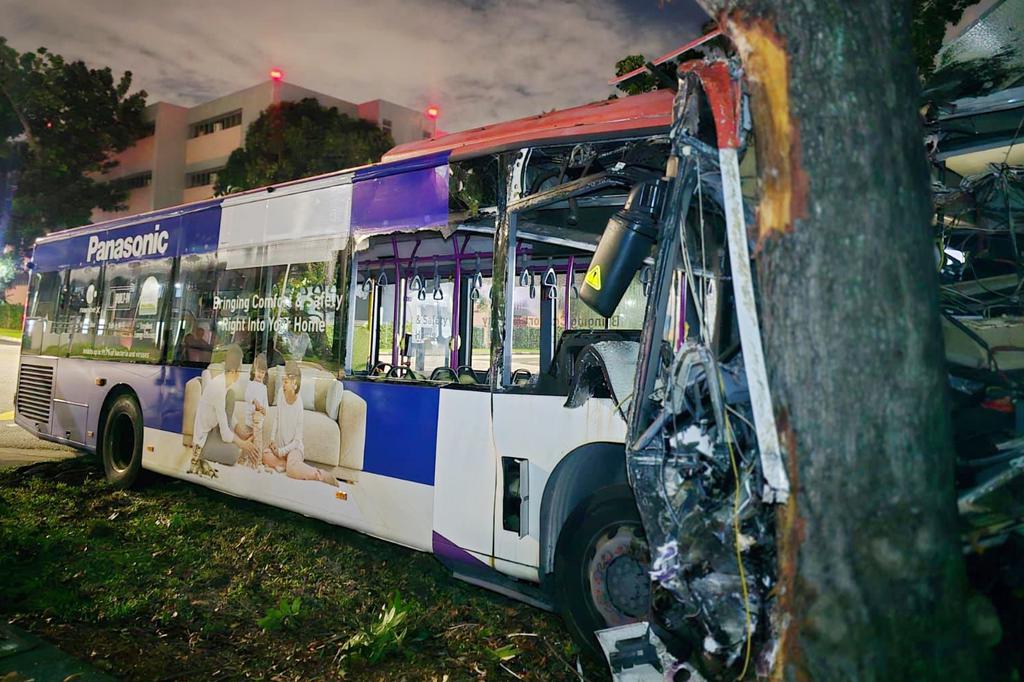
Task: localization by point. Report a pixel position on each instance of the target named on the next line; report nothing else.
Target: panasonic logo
(138, 246)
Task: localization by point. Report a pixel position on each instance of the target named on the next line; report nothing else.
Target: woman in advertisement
(213, 438)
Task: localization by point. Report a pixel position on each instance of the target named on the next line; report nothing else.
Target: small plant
(374, 643)
(504, 653)
(282, 615)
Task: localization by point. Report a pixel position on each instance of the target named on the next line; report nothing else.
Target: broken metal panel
(992, 507)
(695, 453)
(607, 363)
(776, 481)
(701, 473)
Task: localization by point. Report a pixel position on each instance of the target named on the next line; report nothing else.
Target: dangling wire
(730, 437)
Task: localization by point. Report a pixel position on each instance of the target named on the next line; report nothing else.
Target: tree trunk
(871, 580)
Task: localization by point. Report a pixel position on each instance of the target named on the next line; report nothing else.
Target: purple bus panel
(406, 195)
(157, 237)
(401, 429)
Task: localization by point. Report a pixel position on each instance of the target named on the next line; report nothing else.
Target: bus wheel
(601, 566)
(121, 442)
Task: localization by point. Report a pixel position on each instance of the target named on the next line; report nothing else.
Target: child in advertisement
(256, 402)
(286, 448)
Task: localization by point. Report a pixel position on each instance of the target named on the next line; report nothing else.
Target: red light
(433, 112)
(276, 74)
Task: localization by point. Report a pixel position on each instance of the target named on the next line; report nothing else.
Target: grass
(178, 582)
(12, 334)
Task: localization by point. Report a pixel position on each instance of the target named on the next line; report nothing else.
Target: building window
(137, 181)
(202, 178)
(213, 125)
(385, 125)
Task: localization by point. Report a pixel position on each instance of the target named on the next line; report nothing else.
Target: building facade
(179, 161)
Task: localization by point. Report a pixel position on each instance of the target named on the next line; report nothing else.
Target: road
(18, 446)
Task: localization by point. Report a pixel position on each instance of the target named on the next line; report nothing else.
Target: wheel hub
(618, 573)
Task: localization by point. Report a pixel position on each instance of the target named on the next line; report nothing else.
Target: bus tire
(121, 441)
(601, 566)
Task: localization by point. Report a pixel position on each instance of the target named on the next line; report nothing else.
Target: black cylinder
(627, 240)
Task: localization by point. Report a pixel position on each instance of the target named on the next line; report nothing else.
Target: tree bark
(871, 579)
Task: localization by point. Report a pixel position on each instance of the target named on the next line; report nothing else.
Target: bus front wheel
(601, 566)
(121, 441)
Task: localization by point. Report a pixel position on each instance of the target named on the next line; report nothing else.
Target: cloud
(481, 62)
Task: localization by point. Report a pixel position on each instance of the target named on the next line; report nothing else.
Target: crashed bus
(532, 349)
(393, 349)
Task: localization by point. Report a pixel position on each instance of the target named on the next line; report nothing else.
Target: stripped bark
(872, 584)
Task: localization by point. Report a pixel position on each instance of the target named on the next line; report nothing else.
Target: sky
(480, 61)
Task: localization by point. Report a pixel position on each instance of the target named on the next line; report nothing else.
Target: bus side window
(405, 291)
(40, 320)
(628, 315)
(241, 317)
(192, 314)
(362, 336)
(81, 310)
(538, 312)
(131, 321)
(374, 300)
(480, 327)
(303, 321)
(526, 319)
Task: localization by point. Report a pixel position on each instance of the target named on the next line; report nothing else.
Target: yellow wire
(736, 532)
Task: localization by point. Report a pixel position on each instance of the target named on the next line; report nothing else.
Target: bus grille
(35, 390)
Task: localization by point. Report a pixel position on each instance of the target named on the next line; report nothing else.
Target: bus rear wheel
(121, 442)
(601, 566)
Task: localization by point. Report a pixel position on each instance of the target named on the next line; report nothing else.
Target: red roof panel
(640, 113)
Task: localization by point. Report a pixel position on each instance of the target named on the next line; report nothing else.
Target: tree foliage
(60, 122)
(644, 82)
(294, 140)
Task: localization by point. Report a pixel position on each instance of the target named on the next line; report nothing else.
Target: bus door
(531, 428)
(547, 327)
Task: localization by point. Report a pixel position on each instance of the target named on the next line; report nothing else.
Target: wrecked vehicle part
(704, 480)
(609, 364)
(983, 330)
(993, 507)
(703, 464)
(693, 445)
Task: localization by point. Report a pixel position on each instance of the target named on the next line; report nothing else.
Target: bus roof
(646, 112)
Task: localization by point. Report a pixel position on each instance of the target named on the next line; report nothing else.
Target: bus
(403, 349)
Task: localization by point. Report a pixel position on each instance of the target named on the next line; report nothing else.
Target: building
(178, 162)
